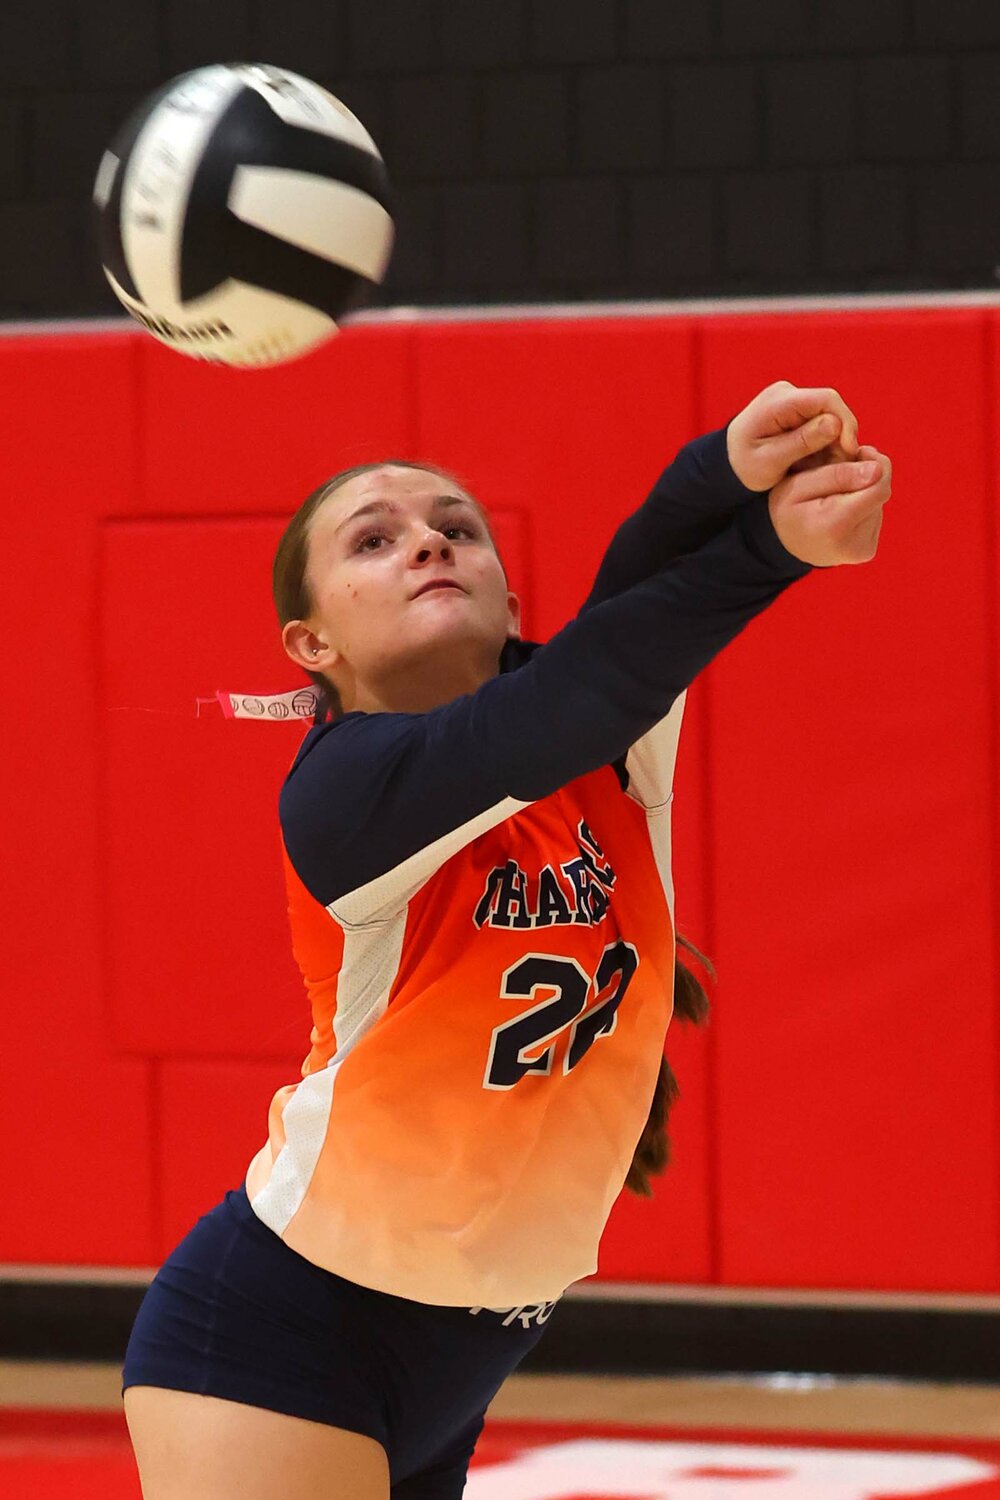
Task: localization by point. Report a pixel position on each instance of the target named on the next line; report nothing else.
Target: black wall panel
(560, 148)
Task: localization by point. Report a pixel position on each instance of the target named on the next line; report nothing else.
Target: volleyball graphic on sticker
(242, 210)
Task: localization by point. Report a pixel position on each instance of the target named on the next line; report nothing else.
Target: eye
(368, 536)
(380, 534)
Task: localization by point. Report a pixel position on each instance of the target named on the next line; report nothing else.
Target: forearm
(693, 501)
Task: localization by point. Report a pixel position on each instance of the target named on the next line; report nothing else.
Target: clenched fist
(826, 490)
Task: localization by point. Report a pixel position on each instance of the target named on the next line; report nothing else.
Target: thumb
(787, 448)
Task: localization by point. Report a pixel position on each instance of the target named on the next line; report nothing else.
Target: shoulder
(343, 756)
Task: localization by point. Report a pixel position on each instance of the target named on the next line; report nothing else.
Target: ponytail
(652, 1154)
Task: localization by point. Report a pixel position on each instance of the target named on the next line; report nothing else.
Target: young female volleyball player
(477, 854)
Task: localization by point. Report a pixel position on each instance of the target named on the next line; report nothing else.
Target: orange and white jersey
(481, 906)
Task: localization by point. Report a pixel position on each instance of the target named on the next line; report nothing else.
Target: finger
(833, 453)
(801, 447)
(831, 479)
(862, 543)
(851, 518)
(860, 521)
(803, 403)
(868, 454)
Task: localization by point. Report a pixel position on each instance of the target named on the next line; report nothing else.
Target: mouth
(439, 583)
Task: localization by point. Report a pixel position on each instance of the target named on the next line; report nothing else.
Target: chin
(448, 633)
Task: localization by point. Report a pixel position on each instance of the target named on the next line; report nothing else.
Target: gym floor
(62, 1434)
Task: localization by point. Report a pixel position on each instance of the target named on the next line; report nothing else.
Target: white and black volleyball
(242, 210)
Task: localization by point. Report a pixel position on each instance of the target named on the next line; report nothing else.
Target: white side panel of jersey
(650, 766)
(305, 1119)
(367, 975)
(660, 837)
(368, 972)
(390, 893)
(651, 760)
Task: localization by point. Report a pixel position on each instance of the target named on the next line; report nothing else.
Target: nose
(431, 545)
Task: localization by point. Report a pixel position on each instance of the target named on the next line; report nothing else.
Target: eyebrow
(374, 506)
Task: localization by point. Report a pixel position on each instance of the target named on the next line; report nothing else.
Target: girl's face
(388, 639)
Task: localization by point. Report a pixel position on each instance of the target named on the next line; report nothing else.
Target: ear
(307, 649)
(513, 617)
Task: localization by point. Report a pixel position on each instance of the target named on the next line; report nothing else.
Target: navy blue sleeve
(693, 500)
(369, 790)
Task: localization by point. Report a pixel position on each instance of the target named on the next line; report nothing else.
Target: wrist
(711, 454)
(756, 522)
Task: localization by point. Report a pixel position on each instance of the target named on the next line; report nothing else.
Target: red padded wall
(74, 1116)
(838, 1124)
(852, 774)
(570, 422)
(217, 441)
(199, 960)
(213, 1121)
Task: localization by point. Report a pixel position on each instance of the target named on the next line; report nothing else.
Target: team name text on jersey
(578, 892)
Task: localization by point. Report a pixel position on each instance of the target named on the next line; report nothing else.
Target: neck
(417, 689)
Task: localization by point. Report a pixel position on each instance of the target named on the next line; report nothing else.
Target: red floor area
(85, 1456)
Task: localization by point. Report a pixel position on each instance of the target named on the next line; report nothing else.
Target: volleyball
(241, 211)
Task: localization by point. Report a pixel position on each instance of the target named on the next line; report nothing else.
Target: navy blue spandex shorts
(234, 1312)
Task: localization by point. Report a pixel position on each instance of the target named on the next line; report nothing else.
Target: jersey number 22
(507, 1063)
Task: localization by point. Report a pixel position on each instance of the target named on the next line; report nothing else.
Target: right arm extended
(371, 790)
